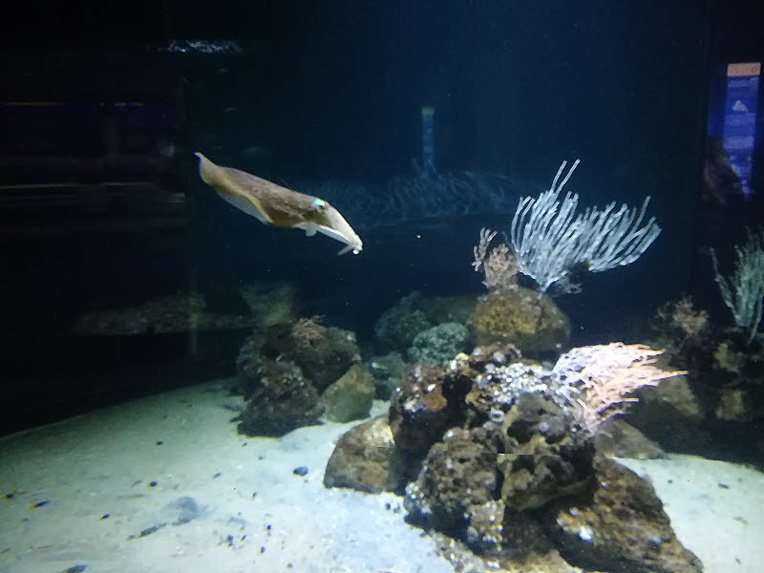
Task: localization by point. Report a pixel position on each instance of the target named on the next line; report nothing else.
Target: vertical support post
(428, 138)
(192, 340)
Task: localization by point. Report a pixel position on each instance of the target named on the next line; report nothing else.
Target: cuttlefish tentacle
(276, 205)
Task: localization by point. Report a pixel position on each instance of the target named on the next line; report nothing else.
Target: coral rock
(439, 343)
(419, 410)
(281, 402)
(350, 397)
(543, 459)
(617, 438)
(623, 529)
(457, 473)
(365, 459)
(398, 326)
(388, 371)
(518, 316)
(323, 360)
(669, 413)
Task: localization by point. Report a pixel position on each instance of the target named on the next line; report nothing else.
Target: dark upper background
(334, 90)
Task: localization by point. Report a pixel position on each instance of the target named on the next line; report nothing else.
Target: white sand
(101, 463)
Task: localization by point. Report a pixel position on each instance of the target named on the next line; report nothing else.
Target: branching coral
(498, 265)
(549, 239)
(602, 378)
(306, 332)
(744, 291)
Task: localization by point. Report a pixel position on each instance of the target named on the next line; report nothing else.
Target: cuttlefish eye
(319, 204)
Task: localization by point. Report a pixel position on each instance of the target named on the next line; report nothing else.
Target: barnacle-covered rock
(281, 401)
(497, 354)
(518, 450)
(528, 415)
(485, 531)
(365, 459)
(518, 316)
(419, 411)
(469, 376)
(542, 459)
(496, 387)
(457, 473)
(500, 462)
(623, 528)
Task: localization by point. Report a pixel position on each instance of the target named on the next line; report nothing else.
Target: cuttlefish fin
(231, 190)
(277, 205)
(309, 228)
(248, 205)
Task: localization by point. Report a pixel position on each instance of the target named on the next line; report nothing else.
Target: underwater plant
(498, 265)
(681, 323)
(690, 321)
(549, 240)
(743, 291)
(602, 378)
(306, 332)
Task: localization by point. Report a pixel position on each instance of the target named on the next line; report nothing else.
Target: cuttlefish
(276, 205)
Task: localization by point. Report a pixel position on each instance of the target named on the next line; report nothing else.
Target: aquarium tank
(382, 287)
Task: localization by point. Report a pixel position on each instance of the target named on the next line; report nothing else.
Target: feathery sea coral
(549, 239)
(602, 378)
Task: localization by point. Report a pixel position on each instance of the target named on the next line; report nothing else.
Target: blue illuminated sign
(739, 132)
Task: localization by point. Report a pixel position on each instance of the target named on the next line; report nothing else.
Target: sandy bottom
(166, 484)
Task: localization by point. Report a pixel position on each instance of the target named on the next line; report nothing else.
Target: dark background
(330, 90)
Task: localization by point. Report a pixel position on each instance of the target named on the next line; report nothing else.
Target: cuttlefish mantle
(276, 205)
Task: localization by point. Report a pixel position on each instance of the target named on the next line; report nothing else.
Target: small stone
(300, 471)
